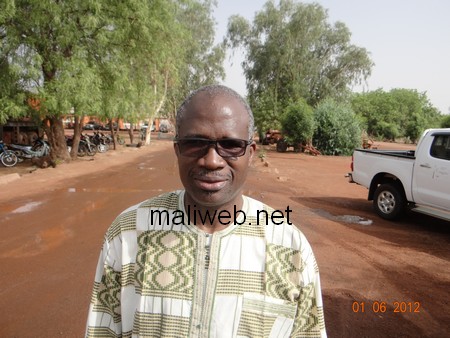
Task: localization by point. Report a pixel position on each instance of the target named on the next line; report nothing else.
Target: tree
(95, 58)
(47, 41)
(338, 131)
(292, 52)
(445, 123)
(201, 62)
(398, 113)
(298, 123)
(12, 93)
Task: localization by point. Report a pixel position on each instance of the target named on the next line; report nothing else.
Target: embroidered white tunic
(159, 276)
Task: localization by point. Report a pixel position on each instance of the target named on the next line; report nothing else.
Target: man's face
(212, 180)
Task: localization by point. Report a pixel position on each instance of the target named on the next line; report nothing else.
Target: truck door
(431, 181)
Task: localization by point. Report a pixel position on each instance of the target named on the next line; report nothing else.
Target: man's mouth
(210, 183)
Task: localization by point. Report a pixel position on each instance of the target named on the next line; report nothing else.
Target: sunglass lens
(231, 147)
(193, 147)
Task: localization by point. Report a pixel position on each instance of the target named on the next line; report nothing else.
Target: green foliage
(200, 61)
(338, 131)
(298, 122)
(445, 123)
(389, 131)
(397, 113)
(12, 94)
(293, 52)
(102, 58)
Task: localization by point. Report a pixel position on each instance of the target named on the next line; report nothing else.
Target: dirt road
(379, 279)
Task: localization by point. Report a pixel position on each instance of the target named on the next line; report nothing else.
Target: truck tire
(389, 201)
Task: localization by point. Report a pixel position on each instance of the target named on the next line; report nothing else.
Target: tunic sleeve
(309, 320)
(104, 317)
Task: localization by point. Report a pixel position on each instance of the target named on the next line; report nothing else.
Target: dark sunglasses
(198, 147)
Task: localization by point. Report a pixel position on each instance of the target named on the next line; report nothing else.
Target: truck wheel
(389, 201)
(281, 146)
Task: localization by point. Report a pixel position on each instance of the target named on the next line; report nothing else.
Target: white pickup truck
(417, 179)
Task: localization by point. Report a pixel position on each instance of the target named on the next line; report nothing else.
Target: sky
(408, 40)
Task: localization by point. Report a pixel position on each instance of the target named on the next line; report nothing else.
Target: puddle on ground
(27, 207)
(353, 219)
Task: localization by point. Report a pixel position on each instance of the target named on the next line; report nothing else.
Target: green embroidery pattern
(285, 263)
(236, 282)
(308, 313)
(165, 264)
(255, 325)
(108, 295)
(124, 222)
(158, 325)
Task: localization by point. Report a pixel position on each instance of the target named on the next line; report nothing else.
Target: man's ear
(176, 149)
(252, 151)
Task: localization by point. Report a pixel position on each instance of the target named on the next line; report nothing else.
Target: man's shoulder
(126, 220)
(169, 200)
(256, 207)
(278, 228)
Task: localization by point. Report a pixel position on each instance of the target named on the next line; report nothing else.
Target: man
(207, 261)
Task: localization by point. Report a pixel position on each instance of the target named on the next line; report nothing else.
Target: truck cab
(431, 183)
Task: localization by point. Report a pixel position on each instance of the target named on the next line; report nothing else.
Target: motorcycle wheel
(91, 151)
(81, 150)
(9, 159)
(102, 148)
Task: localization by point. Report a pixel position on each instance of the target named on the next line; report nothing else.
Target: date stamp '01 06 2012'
(381, 307)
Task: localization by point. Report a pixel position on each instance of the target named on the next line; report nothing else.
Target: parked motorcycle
(38, 149)
(100, 141)
(84, 147)
(7, 156)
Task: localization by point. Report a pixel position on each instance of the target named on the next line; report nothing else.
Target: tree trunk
(113, 134)
(148, 132)
(77, 128)
(54, 129)
(130, 133)
(157, 106)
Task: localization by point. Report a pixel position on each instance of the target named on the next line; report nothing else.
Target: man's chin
(208, 198)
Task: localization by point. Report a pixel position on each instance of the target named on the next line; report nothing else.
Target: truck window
(441, 147)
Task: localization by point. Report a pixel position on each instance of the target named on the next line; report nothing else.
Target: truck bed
(395, 153)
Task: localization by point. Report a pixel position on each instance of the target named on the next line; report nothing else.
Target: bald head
(211, 92)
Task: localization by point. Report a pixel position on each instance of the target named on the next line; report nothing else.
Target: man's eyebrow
(195, 136)
(207, 138)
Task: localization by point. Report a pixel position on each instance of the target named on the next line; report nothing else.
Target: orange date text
(382, 307)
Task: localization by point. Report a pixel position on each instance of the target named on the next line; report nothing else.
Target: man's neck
(211, 219)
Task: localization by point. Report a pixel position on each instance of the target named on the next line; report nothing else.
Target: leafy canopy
(338, 131)
(293, 52)
(399, 113)
(298, 122)
(101, 58)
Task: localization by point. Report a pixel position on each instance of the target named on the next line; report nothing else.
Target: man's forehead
(221, 102)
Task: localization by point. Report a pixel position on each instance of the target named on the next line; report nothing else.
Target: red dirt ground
(379, 278)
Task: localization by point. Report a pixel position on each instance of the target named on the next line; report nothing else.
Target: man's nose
(212, 160)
